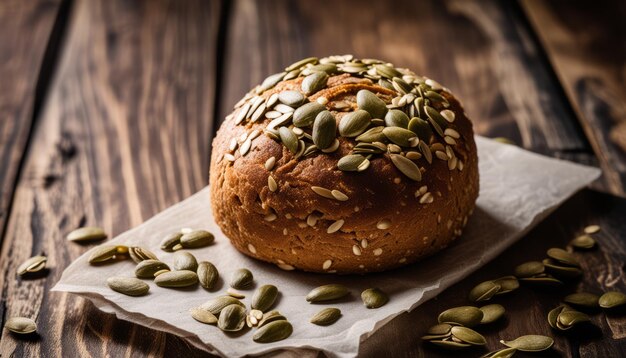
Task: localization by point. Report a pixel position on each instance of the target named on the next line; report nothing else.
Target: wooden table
(108, 107)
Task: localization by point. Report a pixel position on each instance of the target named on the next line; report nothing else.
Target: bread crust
(388, 220)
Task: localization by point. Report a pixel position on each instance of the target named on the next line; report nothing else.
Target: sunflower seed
(269, 163)
(351, 162)
(147, 268)
(323, 192)
(241, 278)
(305, 115)
(270, 82)
(264, 297)
(168, 243)
(85, 234)
(232, 318)
(338, 195)
(103, 253)
(334, 227)
(139, 254)
(468, 335)
(207, 274)
(355, 123)
(530, 343)
(181, 278)
(592, 229)
(612, 300)
(271, 183)
(20, 325)
(203, 316)
(369, 102)
(406, 166)
(529, 269)
(467, 316)
(33, 264)
(215, 305)
(582, 299)
(374, 298)
(327, 293)
(326, 317)
(484, 291)
(314, 82)
(583, 242)
(129, 286)
(273, 331)
(324, 130)
(491, 313)
(197, 238)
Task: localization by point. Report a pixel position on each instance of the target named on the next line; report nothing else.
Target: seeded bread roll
(340, 165)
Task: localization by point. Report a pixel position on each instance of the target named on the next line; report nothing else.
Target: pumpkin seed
(435, 119)
(612, 300)
(467, 316)
(374, 298)
(291, 98)
(374, 134)
(301, 63)
(305, 115)
(270, 82)
(529, 269)
(329, 68)
(582, 299)
(400, 136)
(273, 331)
(545, 280)
(215, 305)
(396, 118)
(484, 291)
(171, 240)
(401, 86)
(241, 278)
(289, 139)
(264, 297)
(468, 335)
(326, 317)
(530, 343)
(270, 317)
(592, 229)
(147, 268)
(351, 162)
(369, 102)
(567, 319)
(355, 123)
(20, 325)
(491, 313)
(85, 234)
(129, 286)
(33, 264)
(501, 353)
(436, 97)
(406, 166)
(160, 272)
(439, 329)
(562, 256)
(327, 293)
(203, 316)
(139, 254)
(387, 71)
(564, 272)
(174, 279)
(207, 274)
(102, 253)
(583, 242)
(197, 238)
(232, 318)
(553, 315)
(183, 260)
(451, 345)
(314, 82)
(324, 130)
(507, 284)
(237, 295)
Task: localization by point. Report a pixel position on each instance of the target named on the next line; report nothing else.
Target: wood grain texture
(25, 28)
(586, 44)
(125, 133)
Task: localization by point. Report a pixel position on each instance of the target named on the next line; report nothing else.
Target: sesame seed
(271, 183)
(448, 115)
(326, 265)
(251, 248)
(592, 229)
(334, 227)
(356, 250)
(377, 252)
(269, 163)
(270, 217)
(339, 195)
(364, 243)
(383, 224)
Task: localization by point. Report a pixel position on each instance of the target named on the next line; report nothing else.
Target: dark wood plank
(585, 42)
(25, 28)
(125, 133)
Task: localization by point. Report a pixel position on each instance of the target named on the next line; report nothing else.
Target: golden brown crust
(272, 226)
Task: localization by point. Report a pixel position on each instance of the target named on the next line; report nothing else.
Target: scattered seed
(20, 325)
(129, 286)
(241, 278)
(33, 264)
(592, 229)
(85, 234)
(326, 317)
(334, 227)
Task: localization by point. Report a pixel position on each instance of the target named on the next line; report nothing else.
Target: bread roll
(341, 165)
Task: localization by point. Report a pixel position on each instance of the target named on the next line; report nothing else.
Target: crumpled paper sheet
(517, 190)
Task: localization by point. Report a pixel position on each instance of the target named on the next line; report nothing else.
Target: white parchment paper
(517, 190)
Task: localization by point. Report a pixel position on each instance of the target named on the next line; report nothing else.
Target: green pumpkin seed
(468, 335)
(546, 281)
(171, 240)
(160, 272)
(491, 313)
(314, 82)
(501, 353)
(530, 343)
(197, 238)
(326, 317)
(436, 97)
(273, 331)
(439, 329)
(529, 269)
(329, 68)
(553, 315)
(612, 300)
(217, 304)
(174, 279)
(372, 135)
(289, 139)
(184, 260)
(484, 291)
(563, 272)
(401, 86)
(232, 318)
(436, 120)
(582, 299)
(103, 253)
(20, 325)
(203, 316)
(301, 63)
(33, 264)
(369, 102)
(355, 123)
(324, 130)
(562, 256)
(327, 293)
(451, 345)
(567, 319)
(207, 274)
(241, 278)
(147, 268)
(129, 286)
(270, 317)
(396, 118)
(291, 98)
(467, 316)
(85, 234)
(400, 136)
(270, 82)
(387, 71)
(584, 242)
(305, 115)
(264, 297)
(374, 298)
(351, 162)
(406, 166)
(139, 254)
